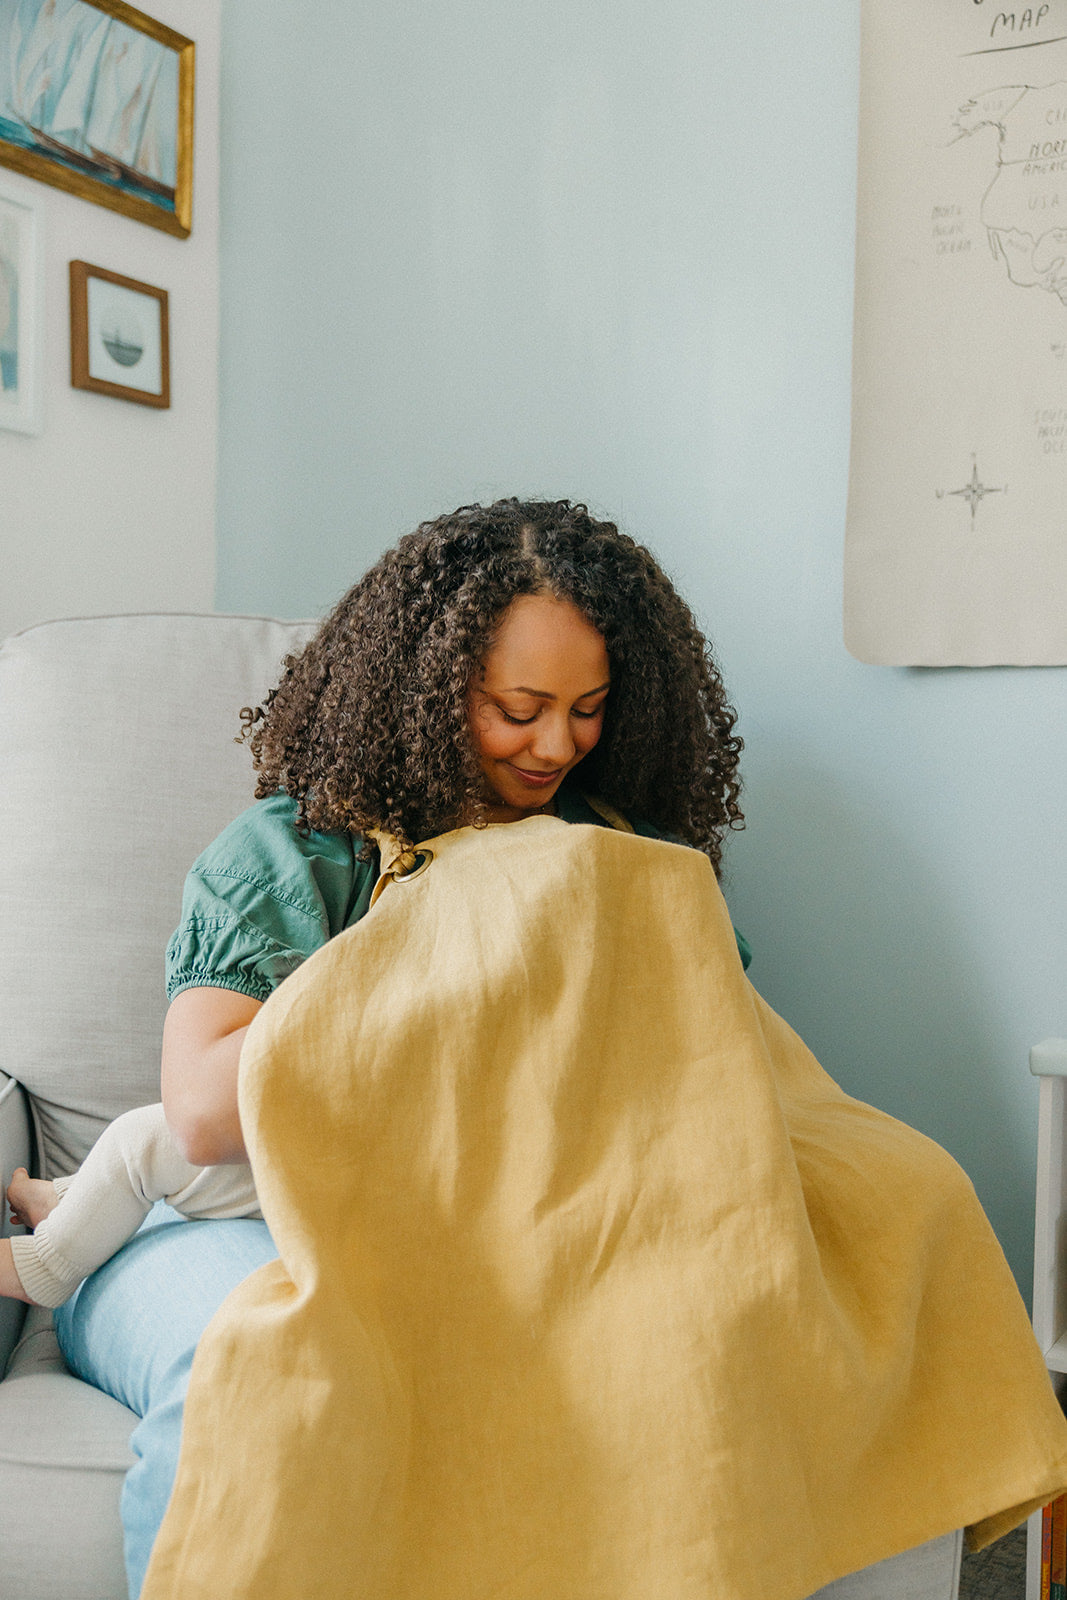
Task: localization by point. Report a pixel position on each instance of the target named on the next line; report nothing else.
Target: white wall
(112, 506)
(605, 250)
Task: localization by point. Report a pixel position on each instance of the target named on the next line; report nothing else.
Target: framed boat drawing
(97, 99)
(119, 336)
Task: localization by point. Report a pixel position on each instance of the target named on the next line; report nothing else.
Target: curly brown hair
(368, 727)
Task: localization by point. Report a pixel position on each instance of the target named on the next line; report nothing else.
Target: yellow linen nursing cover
(593, 1285)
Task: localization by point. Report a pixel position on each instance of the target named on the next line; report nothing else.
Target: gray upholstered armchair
(117, 765)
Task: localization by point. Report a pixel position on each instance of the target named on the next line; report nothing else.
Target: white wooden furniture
(1048, 1062)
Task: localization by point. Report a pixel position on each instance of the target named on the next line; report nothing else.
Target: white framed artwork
(20, 316)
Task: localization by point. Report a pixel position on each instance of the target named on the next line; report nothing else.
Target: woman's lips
(536, 780)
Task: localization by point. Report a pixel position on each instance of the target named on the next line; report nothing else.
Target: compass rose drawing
(974, 491)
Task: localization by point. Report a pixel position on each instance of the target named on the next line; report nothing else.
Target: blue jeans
(132, 1329)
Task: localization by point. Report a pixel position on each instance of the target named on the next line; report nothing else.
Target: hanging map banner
(956, 547)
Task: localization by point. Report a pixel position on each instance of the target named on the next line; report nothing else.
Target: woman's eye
(523, 722)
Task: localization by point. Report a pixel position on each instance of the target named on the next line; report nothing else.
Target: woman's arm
(202, 1039)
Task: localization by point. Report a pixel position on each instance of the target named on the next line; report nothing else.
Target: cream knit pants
(134, 1163)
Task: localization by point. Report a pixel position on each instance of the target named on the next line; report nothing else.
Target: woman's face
(538, 705)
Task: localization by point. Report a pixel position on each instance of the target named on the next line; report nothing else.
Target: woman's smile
(538, 779)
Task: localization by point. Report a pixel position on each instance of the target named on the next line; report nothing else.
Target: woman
(400, 714)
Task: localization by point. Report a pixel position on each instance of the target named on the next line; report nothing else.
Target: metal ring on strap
(423, 857)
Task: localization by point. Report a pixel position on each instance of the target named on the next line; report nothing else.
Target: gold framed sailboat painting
(97, 98)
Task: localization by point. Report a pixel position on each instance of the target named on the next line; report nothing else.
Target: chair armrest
(1049, 1059)
(16, 1145)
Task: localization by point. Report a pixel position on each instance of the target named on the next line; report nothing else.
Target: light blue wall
(605, 251)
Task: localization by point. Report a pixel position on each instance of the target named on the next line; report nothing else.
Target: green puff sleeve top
(262, 898)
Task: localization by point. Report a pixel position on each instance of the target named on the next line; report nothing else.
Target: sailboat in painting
(92, 92)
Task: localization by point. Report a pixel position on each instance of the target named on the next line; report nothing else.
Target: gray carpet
(998, 1573)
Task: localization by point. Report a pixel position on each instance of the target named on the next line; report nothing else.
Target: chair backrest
(118, 763)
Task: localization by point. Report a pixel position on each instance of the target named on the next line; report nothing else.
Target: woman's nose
(553, 742)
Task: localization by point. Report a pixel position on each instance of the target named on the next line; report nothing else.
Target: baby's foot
(30, 1199)
(10, 1282)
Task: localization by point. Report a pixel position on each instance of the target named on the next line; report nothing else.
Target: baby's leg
(134, 1163)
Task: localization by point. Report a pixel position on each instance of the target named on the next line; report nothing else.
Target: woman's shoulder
(262, 897)
(268, 831)
(265, 850)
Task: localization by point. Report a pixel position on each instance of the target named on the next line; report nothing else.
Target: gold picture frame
(100, 103)
(119, 336)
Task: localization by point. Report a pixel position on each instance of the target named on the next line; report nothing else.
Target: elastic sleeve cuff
(177, 981)
(228, 952)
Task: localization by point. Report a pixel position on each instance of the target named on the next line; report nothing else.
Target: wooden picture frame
(99, 101)
(116, 324)
(21, 327)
